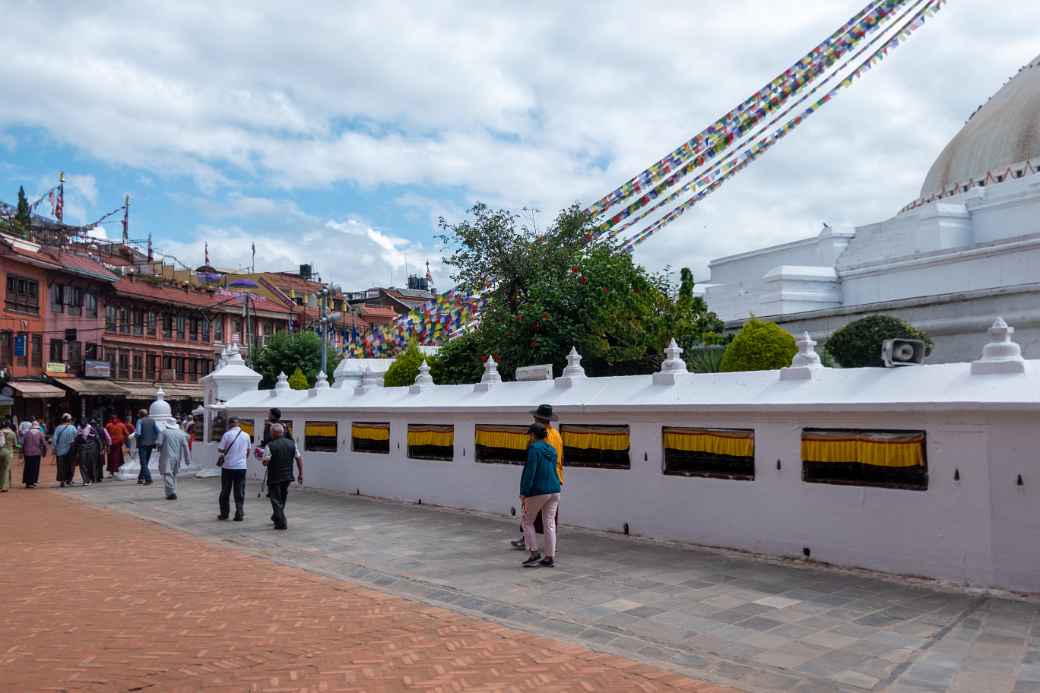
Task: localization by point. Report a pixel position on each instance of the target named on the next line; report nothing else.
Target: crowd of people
(83, 445)
(91, 449)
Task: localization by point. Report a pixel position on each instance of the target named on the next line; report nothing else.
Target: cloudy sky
(337, 133)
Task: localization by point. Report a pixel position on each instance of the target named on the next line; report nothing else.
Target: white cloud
(516, 104)
(84, 185)
(347, 252)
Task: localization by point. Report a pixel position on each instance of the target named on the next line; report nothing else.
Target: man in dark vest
(279, 456)
(147, 434)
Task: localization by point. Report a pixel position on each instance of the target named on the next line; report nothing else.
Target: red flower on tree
(583, 279)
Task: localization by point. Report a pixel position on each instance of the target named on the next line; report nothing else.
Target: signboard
(55, 367)
(97, 369)
(20, 345)
(540, 372)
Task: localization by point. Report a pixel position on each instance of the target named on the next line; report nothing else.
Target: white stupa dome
(1002, 134)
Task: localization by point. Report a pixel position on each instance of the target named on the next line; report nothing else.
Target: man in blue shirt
(64, 435)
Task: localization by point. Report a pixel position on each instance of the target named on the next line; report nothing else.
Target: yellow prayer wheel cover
(321, 429)
(730, 442)
(894, 450)
(369, 431)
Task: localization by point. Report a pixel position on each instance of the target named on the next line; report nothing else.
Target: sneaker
(519, 544)
(239, 517)
(532, 560)
(147, 482)
(281, 527)
(172, 496)
(140, 482)
(62, 485)
(547, 562)
(222, 517)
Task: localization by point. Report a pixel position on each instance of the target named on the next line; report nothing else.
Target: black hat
(544, 411)
(276, 413)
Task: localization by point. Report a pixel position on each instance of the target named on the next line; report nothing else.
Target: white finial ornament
(573, 372)
(491, 376)
(1001, 355)
(281, 383)
(423, 381)
(322, 381)
(673, 367)
(804, 362)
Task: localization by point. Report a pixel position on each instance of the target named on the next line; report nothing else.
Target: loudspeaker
(902, 352)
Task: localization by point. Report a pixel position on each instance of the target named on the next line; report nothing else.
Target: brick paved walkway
(99, 600)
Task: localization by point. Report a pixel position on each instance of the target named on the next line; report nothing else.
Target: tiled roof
(61, 260)
(192, 297)
(377, 311)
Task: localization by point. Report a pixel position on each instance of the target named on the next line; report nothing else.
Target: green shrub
(405, 368)
(759, 346)
(298, 381)
(858, 344)
(705, 359)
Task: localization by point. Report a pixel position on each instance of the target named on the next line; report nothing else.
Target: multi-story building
(162, 335)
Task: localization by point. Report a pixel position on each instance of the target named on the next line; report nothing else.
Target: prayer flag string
(755, 150)
(718, 136)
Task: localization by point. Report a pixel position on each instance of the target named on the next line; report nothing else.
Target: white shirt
(235, 443)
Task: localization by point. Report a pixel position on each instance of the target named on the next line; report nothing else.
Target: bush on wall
(858, 344)
(759, 346)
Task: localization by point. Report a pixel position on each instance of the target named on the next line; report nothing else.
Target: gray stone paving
(755, 624)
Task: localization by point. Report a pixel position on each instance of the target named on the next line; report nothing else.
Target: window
(6, 347)
(167, 326)
(371, 437)
(22, 339)
(37, 351)
(124, 366)
(205, 329)
(193, 330)
(180, 327)
(891, 459)
(75, 356)
(603, 447)
(193, 370)
(138, 322)
(236, 329)
(149, 323)
(167, 362)
(721, 453)
(124, 320)
(110, 318)
(321, 436)
(22, 295)
(180, 368)
(90, 352)
(57, 351)
(149, 367)
(57, 292)
(138, 366)
(218, 329)
(90, 305)
(74, 300)
(431, 442)
(501, 444)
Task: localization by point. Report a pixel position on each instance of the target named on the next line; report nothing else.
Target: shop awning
(91, 387)
(146, 391)
(32, 389)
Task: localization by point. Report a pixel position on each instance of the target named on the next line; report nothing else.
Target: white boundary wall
(981, 530)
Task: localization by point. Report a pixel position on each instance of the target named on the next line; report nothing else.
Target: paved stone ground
(95, 600)
(758, 625)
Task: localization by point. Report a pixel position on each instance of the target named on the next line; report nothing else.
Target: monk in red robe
(118, 432)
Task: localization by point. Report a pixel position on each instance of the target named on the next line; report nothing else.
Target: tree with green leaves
(285, 353)
(549, 290)
(22, 217)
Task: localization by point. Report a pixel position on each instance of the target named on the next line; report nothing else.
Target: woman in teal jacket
(539, 492)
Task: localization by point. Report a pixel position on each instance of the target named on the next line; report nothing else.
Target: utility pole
(126, 220)
(324, 330)
(60, 209)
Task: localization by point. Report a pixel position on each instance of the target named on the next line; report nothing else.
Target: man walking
(233, 450)
(545, 416)
(146, 434)
(279, 456)
(64, 437)
(173, 448)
